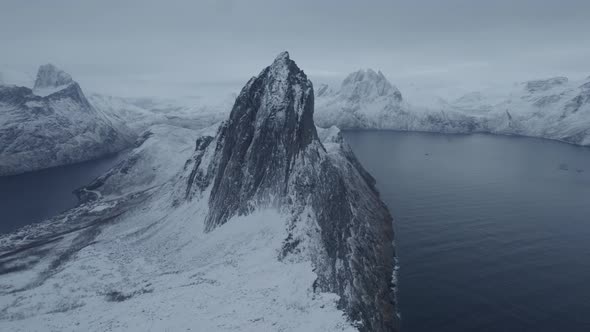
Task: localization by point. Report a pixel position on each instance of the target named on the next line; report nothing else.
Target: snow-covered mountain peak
(272, 120)
(51, 79)
(282, 57)
(366, 84)
(365, 99)
(545, 84)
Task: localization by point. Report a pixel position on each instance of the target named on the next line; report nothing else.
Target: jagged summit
(362, 75)
(283, 56)
(272, 120)
(366, 99)
(49, 76)
(368, 84)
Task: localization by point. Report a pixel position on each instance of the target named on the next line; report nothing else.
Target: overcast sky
(144, 47)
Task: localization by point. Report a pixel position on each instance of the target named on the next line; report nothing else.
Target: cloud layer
(145, 47)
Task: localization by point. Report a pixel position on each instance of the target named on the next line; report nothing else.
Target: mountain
(263, 222)
(553, 108)
(365, 99)
(53, 124)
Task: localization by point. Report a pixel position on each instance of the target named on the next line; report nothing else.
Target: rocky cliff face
(53, 125)
(268, 153)
(270, 126)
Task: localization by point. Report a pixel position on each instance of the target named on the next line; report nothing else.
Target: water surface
(35, 196)
(492, 232)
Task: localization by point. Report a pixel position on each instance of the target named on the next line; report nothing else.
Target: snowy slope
(53, 124)
(265, 224)
(553, 108)
(140, 113)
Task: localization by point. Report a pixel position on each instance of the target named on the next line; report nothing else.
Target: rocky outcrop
(50, 76)
(53, 125)
(269, 154)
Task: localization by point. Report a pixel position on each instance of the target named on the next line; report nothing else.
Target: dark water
(36, 196)
(492, 233)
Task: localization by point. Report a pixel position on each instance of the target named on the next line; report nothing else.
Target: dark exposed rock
(270, 124)
(579, 100)
(197, 176)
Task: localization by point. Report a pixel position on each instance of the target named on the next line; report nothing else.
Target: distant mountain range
(552, 108)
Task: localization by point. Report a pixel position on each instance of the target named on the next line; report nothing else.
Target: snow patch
(152, 274)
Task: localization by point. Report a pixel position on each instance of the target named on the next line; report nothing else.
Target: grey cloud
(111, 45)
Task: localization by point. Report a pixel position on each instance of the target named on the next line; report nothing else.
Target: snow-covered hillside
(553, 108)
(140, 113)
(262, 223)
(53, 124)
